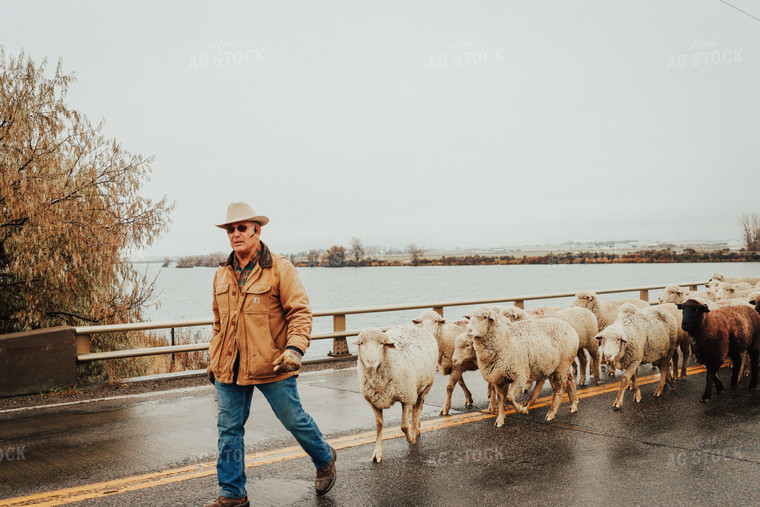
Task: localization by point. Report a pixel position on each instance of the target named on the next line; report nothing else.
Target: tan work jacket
(271, 313)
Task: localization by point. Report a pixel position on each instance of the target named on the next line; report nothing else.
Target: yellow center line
(206, 469)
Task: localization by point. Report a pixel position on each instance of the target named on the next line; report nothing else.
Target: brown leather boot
(326, 476)
(224, 501)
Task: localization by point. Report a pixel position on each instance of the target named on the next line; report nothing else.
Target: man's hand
(211, 377)
(290, 360)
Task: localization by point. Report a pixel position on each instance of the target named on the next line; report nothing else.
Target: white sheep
(512, 354)
(717, 278)
(582, 320)
(396, 365)
(605, 311)
(727, 290)
(639, 335)
(445, 333)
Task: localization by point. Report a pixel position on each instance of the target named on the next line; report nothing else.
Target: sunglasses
(239, 227)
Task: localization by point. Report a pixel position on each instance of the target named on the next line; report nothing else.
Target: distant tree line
(358, 254)
(642, 256)
(206, 261)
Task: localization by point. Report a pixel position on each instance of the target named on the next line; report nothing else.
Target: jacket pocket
(257, 299)
(221, 293)
(262, 351)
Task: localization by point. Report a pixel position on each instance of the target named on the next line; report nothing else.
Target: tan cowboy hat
(242, 212)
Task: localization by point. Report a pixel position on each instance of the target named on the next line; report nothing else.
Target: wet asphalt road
(672, 450)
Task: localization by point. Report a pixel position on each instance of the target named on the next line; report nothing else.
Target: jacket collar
(265, 259)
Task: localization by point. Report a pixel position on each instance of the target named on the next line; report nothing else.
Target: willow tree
(750, 224)
(69, 209)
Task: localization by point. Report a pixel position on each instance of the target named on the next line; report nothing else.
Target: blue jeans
(233, 408)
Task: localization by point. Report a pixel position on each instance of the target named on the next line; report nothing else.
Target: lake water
(186, 293)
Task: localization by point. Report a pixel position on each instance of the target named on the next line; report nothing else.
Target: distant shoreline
(478, 259)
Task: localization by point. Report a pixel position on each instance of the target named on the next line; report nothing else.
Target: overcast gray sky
(448, 124)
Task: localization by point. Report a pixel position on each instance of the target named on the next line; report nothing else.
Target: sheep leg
(685, 353)
(675, 365)
(502, 394)
(593, 351)
(467, 393)
(571, 393)
(743, 362)
(737, 369)
(754, 358)
(512, 391)
(556, 381)
(624, 382)
(377, 455)
(416, 413)
(537, 391)
(450, 390)
(711, 379)
(583, 362)
(665, 375)
(635, 388)
(493, 399)
(406, 416)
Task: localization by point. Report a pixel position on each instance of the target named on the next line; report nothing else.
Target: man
(262, 323)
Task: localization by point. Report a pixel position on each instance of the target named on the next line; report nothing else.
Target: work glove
(290, 360)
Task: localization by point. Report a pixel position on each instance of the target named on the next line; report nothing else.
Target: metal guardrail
(338, 335)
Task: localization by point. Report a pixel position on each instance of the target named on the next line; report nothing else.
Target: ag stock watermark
(226, 53)
(705, 53)
(707, 452)
(471, 456)
(466, 53)
(12, 453)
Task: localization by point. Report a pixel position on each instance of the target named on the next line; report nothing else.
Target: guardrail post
(172, 363)
(439, 309)
(340, 346)
(520, 304)
(693, 288)
(644, 295)
(83, 344)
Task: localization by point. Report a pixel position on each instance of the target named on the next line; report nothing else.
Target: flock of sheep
(512, 348)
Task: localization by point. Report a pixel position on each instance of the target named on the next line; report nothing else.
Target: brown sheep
(719, 334)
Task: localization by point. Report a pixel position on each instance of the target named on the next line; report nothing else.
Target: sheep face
(479, 321)
(430, 321)
(693, 314)
(726, 291)
(672, 294)
(372, 345)
(612, 344)
(585, 299)
(463, 350)
(714, 280)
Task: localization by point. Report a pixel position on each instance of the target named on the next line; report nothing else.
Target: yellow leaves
(69, 205)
